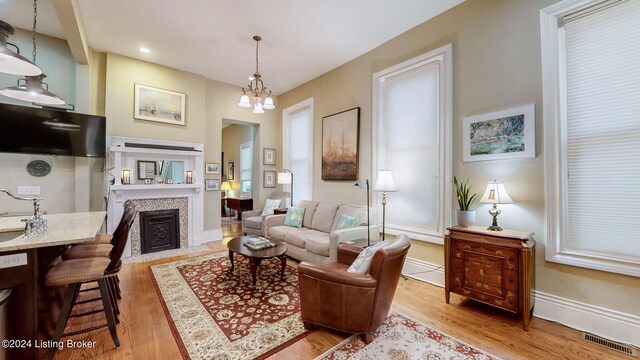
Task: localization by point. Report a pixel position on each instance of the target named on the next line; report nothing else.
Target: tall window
(298, 148)
(412, 125)
(591, 79)
(246, 160)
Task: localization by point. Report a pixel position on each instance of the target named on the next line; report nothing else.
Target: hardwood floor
(144, 331)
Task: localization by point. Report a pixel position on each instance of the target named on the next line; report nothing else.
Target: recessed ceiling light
(145, 50)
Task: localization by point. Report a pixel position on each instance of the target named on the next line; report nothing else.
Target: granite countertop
(62, 229)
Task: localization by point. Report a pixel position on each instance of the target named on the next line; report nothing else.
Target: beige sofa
(317, 240)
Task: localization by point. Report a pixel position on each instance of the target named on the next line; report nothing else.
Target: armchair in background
(252, 220)
(356, 303)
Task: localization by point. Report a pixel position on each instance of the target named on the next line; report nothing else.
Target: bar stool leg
(108, 310)
(69, 297)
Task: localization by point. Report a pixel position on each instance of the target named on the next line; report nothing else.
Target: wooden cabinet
(240, 205)
(494, 267)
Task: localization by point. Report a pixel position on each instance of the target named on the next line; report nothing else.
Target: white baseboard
(211, 235)
(610, 324)
(424, 271)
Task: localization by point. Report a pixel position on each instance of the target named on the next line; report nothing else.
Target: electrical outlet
(28, 190)
(13, 260)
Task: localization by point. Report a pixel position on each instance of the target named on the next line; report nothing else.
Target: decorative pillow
(294, 217)
(346, 222)
(362, 263)
(270, 205)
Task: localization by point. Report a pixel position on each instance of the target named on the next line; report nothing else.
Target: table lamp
(384, 184)
(224, 187)
(286, 177)
(495, 194)
(364, 184)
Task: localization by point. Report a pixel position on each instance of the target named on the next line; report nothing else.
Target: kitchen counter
(62, 229)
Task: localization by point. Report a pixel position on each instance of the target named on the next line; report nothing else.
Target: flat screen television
(47, 131)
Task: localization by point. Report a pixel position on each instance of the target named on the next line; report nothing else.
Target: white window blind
(299, 149)
(602, 132)
(410, 142)
(246, 160)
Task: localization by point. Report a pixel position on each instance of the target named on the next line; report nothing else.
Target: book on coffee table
(266, 245)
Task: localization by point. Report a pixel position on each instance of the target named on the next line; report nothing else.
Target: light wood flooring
(144, 331)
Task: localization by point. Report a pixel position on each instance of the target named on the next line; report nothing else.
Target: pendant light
(11, 62)
(33, 89)
(257, 90)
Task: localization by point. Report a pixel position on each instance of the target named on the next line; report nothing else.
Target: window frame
(286, 159)
(554, 111)
(243, 194)
(442, 58)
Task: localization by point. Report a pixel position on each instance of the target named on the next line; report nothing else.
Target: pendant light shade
(244, 101)
(268, 103)
(257, 108)
(11, 62)
(33, 90)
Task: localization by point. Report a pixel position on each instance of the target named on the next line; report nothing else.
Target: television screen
(52, 132)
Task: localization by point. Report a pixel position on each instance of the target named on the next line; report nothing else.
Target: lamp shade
(244, 101)
(284, 178)
(268, 103)
(11, 62)
(225, 186)
(32, 91)
(385, 182)
(496, 194)
(257, 108)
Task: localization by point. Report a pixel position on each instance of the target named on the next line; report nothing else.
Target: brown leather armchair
(355, 303)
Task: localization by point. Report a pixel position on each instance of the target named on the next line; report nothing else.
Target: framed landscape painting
(211, 168)
(505, 134)
(340, 142)
(159, 105)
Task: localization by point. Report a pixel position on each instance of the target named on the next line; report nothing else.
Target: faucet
(35, 224)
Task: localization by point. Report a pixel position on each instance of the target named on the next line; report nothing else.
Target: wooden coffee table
(236, 245)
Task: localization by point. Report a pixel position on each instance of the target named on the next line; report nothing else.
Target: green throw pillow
(346, 222)
(294, 217)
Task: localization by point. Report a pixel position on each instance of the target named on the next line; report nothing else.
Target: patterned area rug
(214, 314)
(402, 338)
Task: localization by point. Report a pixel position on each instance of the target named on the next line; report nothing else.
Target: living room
(498, 60)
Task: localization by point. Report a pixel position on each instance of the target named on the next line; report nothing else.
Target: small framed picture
(269, 179)
(230, 171)
(268, 156)
(146, 170)
(212, 168)
(212, 184)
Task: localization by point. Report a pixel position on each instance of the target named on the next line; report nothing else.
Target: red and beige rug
(214, 314)
(402, 338)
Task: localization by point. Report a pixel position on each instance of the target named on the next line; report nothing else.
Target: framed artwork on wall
(212, 184)
(159, 105)
(269, 179)
(146, 170)
(230, 169)
(268, 156)
(212, 168)
(340, 143)
(504, 134)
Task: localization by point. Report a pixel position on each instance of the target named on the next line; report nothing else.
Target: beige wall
(496, 60)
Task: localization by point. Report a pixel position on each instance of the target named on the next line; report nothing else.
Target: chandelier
(257, 90)
(32, 89)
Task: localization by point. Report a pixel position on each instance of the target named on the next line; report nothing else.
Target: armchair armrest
(251, 213)
(358, 232)
(342, 277)
(271, 221)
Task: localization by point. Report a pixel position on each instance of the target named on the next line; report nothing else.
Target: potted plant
(465, 199)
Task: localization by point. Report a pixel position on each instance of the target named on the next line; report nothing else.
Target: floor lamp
(286, 177)
(384, 184)
(364, 184)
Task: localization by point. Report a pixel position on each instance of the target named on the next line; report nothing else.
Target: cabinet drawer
(495, 281)
(499, 256)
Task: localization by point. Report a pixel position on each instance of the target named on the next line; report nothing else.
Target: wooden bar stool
(103, 270)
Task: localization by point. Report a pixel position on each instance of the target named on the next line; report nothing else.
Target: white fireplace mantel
(124, 152)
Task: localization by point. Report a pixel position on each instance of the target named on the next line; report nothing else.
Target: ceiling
(302, 39)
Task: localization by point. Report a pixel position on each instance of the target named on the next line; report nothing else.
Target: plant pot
(466, 218)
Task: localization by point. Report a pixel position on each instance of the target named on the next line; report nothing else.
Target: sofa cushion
(294, 217)
(279, 232)
(324, 217)
(269, 205)
(309, 210)
(254, 222)
(299, 238)
(318, 243)
(357, 211)
(362, 263)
